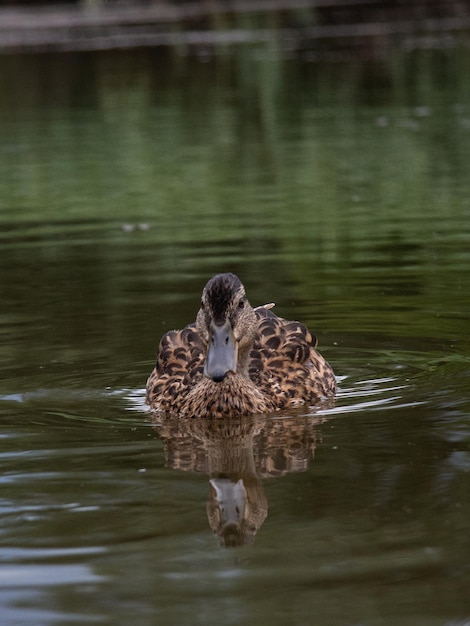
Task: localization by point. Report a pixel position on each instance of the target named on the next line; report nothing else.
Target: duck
(237, 360)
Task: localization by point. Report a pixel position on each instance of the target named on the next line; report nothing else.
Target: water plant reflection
(237, 454)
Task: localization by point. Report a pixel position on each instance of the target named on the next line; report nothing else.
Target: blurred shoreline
(319, 28)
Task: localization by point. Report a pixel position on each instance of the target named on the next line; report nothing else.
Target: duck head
(227, 324)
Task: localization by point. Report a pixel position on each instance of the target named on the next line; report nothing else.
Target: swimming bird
(237, 360)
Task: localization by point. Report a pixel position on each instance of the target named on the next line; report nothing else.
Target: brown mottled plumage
(236, 360)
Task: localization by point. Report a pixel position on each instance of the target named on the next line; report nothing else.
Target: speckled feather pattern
(285, 370)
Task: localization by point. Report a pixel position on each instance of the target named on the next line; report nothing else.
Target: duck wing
(180, 362)
(284, 361)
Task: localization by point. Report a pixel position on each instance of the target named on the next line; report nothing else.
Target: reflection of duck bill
(231, 507)
(231, 500)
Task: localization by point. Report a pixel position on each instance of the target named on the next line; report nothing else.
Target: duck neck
(244, 359)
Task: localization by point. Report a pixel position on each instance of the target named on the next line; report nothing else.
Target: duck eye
(241, 303)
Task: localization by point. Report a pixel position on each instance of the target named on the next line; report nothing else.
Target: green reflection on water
(314, 172)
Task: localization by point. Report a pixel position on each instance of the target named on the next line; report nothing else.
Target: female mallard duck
(237, 360)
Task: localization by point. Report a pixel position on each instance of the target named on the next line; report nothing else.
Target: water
(341, 193)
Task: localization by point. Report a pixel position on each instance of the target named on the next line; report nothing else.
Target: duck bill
(222, 353)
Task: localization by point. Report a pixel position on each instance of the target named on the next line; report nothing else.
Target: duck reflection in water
(237, 453)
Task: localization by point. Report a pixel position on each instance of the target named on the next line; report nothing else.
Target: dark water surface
(342, 193)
